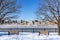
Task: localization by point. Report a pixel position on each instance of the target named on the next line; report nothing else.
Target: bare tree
(50, 11)
(8, 9)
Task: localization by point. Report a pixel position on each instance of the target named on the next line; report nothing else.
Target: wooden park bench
(44, 32)
(10, 32)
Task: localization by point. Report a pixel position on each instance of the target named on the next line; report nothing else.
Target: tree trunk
(59, 25)
(58, 28)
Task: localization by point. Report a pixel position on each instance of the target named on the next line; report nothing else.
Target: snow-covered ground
(30, 36)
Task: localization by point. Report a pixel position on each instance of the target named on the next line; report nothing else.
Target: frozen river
(50, 28)
(30, 36)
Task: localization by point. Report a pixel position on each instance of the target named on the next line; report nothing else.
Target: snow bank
(30, 36)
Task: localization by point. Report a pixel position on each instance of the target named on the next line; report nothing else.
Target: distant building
(28, 23)
(51, 23)
(10, 21)
(22, 22)
(37, 23)
(31, 23)
(43, 23)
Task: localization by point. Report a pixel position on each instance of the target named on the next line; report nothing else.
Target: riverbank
(25, 25)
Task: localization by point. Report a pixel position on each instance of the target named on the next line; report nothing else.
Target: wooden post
(39, 33)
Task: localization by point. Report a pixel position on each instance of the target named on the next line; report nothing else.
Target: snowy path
(30, 36)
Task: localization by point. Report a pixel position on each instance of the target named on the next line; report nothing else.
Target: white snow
(30, 36)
